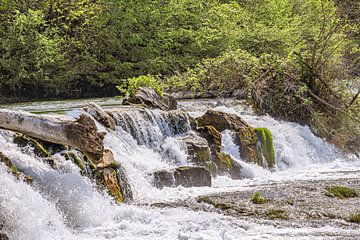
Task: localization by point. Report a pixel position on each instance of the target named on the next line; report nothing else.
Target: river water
(62, 204)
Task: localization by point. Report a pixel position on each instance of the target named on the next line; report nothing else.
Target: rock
(100, 115)
(212, 136)
(19, 175)
(169, 101)
(221, 121)
(111, 182)
(189, 176)
(149, 98)
(226, 165)
(266, 145)
(255, 144)
(197, 148)
(107, 160)
(39, 148)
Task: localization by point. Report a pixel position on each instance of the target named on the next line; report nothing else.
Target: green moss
(77, 160)
(276, 214)
(267, 145)
(355, 218)
(341, 192)
(258, 199)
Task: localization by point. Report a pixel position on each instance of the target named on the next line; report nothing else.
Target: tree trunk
(81, 134)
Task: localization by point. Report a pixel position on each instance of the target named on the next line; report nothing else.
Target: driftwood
(81, 134)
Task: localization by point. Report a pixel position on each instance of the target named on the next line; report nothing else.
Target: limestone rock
(189, 176)
(149, 98)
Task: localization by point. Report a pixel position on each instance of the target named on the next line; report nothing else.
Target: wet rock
(170, 101)
(107, 160)
(212, 136)
(149, 98)
(39, 148)
(226, 165)
(100, 115)
(9, 164)
(189, 176)
(112, 184)
(197, 148)
(222, 121)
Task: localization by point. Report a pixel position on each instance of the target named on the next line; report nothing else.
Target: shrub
(355, 218)
(130, 86)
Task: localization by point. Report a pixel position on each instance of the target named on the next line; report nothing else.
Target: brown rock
(100, 115)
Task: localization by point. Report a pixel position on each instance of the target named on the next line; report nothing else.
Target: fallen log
(81, 133)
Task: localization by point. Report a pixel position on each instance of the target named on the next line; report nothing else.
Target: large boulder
(255, 144)
(221, 121)
(189, 176)
(149, 98)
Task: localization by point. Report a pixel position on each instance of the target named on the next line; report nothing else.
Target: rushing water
(62, 204)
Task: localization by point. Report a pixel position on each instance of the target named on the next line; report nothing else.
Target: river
(62, 204)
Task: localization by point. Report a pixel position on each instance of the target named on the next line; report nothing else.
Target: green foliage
(130, 86)
(277, 214)
(341, 192)
(256, 198)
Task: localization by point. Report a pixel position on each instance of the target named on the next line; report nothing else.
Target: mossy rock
(341, 192)
(39, 148)
(111, 182)
(9, 164)
(227, 165)
(267, 146)
(355, 218)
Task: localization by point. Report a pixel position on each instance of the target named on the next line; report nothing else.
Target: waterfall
(63, 204)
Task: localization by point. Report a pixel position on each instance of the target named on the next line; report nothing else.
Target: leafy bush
(129, 87)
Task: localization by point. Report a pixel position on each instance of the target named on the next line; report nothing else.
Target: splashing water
(62, 204)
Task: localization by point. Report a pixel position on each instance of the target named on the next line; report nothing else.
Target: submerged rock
(39, 148)
(189, 176)
(149, 98)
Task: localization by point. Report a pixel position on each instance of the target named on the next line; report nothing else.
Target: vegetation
(341, 192)
(277, 214)
(297, 60)
(258, 199)
(355, 218)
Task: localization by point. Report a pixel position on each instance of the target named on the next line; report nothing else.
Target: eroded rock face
(149, 98)
(189, 176)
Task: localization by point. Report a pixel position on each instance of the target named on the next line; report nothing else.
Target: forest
(296, 60)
